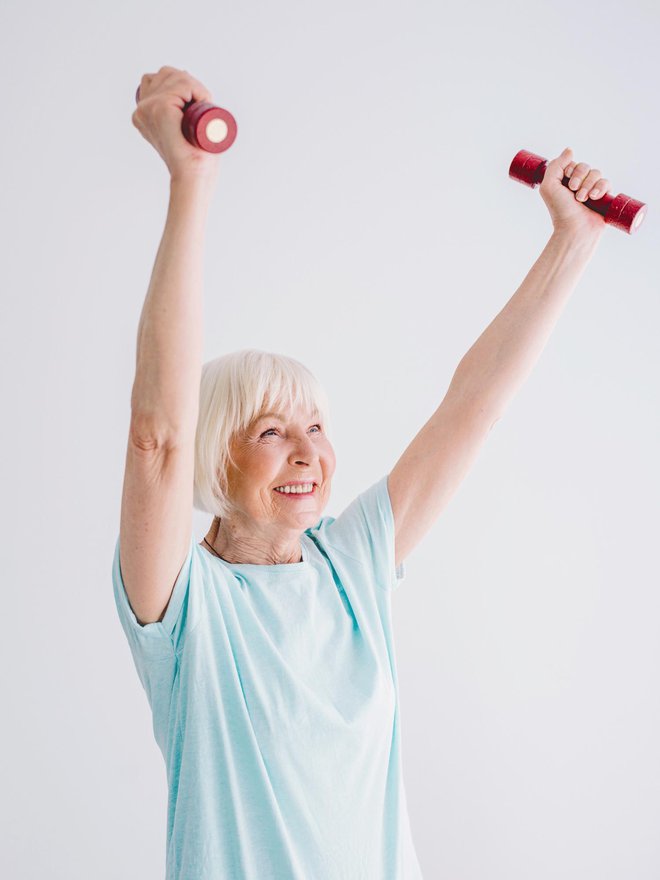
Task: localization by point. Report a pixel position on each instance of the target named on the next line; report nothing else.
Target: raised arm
(165, 394)
(170, 339)
(156, 508)
(432, 467)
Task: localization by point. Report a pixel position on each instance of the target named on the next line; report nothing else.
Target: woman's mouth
(302, 492)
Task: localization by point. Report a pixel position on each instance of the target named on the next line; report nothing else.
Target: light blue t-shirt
(274, 696)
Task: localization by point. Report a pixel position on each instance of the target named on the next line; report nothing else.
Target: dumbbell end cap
(527, 168)
(626, 213)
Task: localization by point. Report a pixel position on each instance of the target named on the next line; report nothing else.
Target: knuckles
(148, 79)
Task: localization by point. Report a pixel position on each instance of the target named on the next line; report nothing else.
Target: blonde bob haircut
(234, 390)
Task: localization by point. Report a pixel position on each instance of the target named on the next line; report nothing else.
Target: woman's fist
(563, 201)
(158, 116)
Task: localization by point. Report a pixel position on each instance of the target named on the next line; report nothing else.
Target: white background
(364, 223)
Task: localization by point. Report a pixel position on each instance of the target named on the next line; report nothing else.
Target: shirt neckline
(281, 566)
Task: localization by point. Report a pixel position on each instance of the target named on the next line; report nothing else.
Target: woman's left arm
(500, 360)
(494, 368)
(434, 464)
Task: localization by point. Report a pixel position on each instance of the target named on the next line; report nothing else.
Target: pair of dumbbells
(214, 129)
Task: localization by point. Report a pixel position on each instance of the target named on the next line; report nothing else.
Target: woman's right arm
(156, 506)
(165, 395)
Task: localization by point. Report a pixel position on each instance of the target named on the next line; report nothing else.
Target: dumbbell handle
(622, 211)
(206, 126)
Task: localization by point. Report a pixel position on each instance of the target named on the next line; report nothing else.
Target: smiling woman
(283, 444)
(266, 649)
(270, 674)
(239, 393)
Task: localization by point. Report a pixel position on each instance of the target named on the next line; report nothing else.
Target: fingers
(143, 88)
(185, 83)
(586, 182)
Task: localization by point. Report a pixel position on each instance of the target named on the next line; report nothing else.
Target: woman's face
(275, 450)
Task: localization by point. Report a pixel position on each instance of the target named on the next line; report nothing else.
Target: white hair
(234, 389)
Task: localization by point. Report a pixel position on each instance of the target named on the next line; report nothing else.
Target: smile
(296, 491)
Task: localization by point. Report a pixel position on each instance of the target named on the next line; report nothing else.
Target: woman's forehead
(275, 414)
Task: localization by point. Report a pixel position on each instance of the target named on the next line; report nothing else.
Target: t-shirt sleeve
(365, 530)
(154, 646)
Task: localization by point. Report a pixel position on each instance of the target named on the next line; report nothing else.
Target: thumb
(556, 167)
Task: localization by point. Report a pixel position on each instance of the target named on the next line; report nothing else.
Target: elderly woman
(266, 649)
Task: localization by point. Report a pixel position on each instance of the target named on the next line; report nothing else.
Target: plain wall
(366, 199)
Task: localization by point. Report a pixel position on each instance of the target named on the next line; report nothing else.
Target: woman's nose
(304, 450)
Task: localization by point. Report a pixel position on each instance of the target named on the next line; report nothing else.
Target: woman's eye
(275, 429)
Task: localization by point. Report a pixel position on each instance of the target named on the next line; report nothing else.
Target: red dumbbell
(206, 126)
(622, 211)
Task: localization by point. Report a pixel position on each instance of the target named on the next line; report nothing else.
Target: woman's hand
(567, 214)
(158, 119)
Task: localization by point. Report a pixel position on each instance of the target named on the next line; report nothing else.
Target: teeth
(305, 489)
